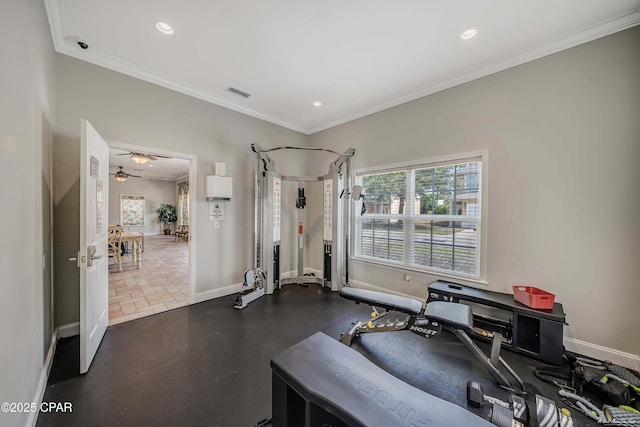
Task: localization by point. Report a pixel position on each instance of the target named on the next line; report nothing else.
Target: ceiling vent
(238, 92)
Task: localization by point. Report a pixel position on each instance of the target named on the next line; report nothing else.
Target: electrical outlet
(216, 224)
(408, 279)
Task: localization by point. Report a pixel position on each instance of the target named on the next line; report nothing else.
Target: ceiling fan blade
(134, 176)
(148, 156)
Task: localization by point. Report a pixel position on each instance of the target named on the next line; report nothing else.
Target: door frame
(193, 184)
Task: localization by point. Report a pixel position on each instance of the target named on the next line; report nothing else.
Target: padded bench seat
(457, 316)
(380, 299)
(320, 381)
(450, 314)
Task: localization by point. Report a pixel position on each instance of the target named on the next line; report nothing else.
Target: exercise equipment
(517, 413)
(429, 322)
(608, 415)
(596, 378)
(546, 412)
(535, 333)
(322, 382)
(337, 207)
(252, 287)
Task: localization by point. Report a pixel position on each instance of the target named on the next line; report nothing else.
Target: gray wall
(130, 111)
(154, 191)
(26, 105)
(563, 135)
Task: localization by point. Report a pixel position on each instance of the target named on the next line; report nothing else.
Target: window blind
(424, 216)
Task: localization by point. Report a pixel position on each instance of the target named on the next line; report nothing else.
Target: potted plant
(167, 216)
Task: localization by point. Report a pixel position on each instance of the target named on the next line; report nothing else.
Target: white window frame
(409, 217)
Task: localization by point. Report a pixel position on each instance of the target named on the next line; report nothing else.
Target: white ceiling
(162, 169)
(356, 56)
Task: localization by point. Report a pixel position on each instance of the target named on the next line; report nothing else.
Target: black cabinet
(536, 333)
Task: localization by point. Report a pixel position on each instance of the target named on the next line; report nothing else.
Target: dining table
(135, 238)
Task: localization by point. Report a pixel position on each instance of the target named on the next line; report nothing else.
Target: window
(183, 203)
(131, 210)
(424, 216)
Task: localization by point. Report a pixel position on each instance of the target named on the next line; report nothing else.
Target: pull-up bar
(291, 147)
(334, 167)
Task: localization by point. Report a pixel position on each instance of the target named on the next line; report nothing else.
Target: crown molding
(586, 35)
(65, 45)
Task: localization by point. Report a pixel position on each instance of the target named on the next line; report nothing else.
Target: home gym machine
(267, 224)
(428, 321)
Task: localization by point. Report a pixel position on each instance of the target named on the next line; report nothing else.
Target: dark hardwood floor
(208, 364)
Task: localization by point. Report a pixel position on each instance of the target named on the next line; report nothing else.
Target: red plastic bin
(533, 297)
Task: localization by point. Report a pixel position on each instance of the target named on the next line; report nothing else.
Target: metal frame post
(271, 219)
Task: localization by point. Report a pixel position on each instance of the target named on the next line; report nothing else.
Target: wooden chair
(115, 244)
(182, 232)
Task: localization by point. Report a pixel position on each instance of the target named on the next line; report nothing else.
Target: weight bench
(454, 317)
(322, 382)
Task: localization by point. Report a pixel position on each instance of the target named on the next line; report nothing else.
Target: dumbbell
(503, 414)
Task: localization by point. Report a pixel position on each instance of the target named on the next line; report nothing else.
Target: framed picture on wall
(131, 210)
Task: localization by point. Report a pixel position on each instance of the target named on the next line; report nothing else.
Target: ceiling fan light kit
(122, 176)
(140, 159)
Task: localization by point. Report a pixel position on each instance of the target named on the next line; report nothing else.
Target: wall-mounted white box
(219, 188)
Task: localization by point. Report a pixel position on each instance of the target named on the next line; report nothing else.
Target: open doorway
(152, 270)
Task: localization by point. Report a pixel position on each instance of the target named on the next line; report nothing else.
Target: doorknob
(92, 258)
(91, 255)
(78, 259)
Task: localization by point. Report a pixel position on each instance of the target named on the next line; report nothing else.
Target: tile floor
(161, 283)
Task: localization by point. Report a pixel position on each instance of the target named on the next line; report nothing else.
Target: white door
(93, 258)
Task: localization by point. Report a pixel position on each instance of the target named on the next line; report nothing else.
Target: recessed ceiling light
(164, 28)
(469, 34)
(150, 165)
(317, 104)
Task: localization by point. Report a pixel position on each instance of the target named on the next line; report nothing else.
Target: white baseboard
(42, 381)
(288, 274)
(237, 288)
(70, 330)
(628, 360)
(219, 292)
(317, 273)
(294, 273)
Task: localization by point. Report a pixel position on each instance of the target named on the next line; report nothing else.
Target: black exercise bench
(320, 382)
(428, 322)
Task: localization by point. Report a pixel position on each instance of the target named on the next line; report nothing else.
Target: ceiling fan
(141, 158)
(122, 175)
